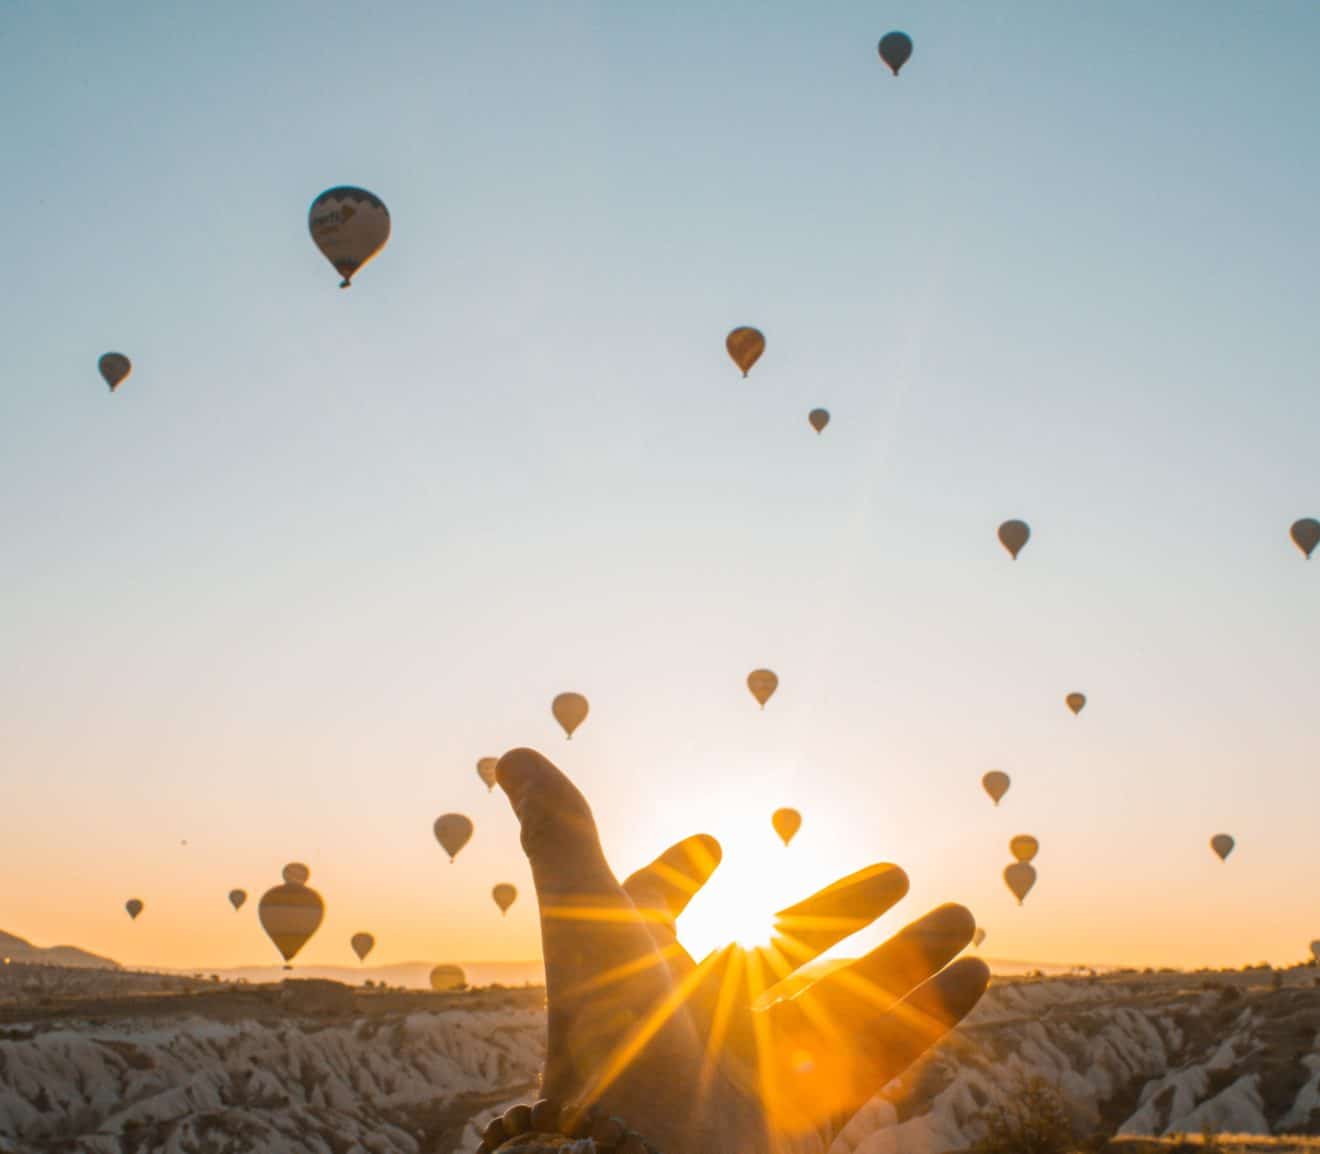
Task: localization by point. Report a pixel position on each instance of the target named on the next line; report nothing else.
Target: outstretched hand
(700, 1058)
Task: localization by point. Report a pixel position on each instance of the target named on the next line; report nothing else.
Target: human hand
(699, 1058)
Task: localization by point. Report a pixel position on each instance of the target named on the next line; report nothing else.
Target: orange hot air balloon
(762, 683)
(486, 770)
(819, 418)
(895, 50)
(996, 784)
(362, 945)
(1013, 536)
(296, 874)
(237, 898)
(1306, 535)
(1024, 847)
(349, 226)
(570, 710)
(453, 831)
(505, 895)
(290, 914)
(745, 346)
(1020, 877)
(448, 978)
(1076, 702)
(978, 938)
(786, 822)
(134, 907)
(114, 368)
(1223, 845)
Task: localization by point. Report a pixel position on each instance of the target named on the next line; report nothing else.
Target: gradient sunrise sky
(325, 549)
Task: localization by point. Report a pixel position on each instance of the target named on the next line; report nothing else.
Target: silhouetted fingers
(827, 917)
(662, 890)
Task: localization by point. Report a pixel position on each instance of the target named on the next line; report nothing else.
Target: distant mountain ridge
(16, 949)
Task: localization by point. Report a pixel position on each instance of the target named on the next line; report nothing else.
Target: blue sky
(324, 549)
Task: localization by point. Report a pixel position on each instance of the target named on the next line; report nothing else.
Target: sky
(324, 549)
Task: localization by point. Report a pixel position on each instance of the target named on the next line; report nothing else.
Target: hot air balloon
(453, 831)
(505, 895)
(1305, 534)
(296, 874)
(895, 49)
(362, 945)
(763, 684)
(1076, 702)
(786, 822)
(978, 938)
(134, 907)
(1315, 949)
(1223, 845)
(1013, 536)
(819, 418)
(290, 914)
(486, 770)
(1024, 847)
(349, 226)
(237, 898)
(996, 784)
(570, 710)
(448, 978)
(1020, 877)
(115, 368)
(745, 346)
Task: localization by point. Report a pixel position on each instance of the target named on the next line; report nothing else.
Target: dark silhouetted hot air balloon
(1076, 702)
(745, 346)
(1013, 536)
(1223, 845)
(1315, 949)
(895, 50)
(1020, 877)
(296, 874)
(486, 770)
(349, 226)
(570, 710)
(362, 945)
(115, 368)
(1024, 847)
(978, 938)
(134, 907)
(237, 898)
(445, 978)
(786, 822)
(819, 418)
(290, 914)
(996, 784)
(763, 684)
(453, 831)
(505, 895)
(1306, 535)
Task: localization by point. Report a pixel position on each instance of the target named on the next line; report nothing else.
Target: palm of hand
(691, 1054)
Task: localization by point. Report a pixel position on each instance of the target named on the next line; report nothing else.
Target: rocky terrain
(316, 1067)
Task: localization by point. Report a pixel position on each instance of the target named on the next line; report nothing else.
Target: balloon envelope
(349, 226)
(448, 978)
(296, 874)
(1024, 847)
(486, 770)
(453, 831)
(1315, 949)
(505, 895)
(819, 418)
(996, 784)
(1223, 845)
(290, 914)
(763, 684)
(978, 938)
(115, 368)
(895, 50)
(786, 822)
(1020, 877)
(745, 346)
(237, 898)
(1013, 536)
(570, 710)
(362, 945)
(1076, 702)
(134, 907)
(1306, 535)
